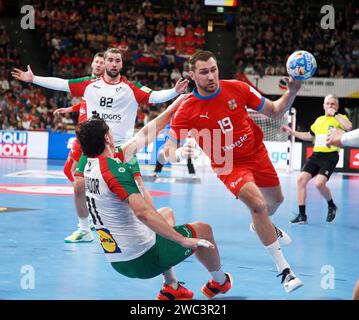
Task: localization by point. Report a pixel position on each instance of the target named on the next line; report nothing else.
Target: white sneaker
(283, 238)
(80, 236)
(289, 281)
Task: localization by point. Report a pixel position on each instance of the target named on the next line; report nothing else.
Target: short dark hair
(99, 54)
(91, 136)
(112, 50)
(202, 55)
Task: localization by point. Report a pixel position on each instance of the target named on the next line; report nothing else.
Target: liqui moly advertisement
(23, 144)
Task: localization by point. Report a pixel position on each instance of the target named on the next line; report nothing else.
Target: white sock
(170, 278)
(276, 253)
(84, 224)
(219, 276)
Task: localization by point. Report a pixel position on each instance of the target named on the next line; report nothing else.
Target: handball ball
(301, 65)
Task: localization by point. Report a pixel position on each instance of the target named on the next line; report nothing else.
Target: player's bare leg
(274, 198)
(172, 289)
(321, 184)
(83, 234)
(302, 182)
(356, 291)
(80, 200)
(220, 283)
(255, 201)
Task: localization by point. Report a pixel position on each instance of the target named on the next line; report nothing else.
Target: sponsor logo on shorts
(187, 252)
(235, 183)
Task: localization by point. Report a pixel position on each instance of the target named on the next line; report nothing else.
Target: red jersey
(220, 123)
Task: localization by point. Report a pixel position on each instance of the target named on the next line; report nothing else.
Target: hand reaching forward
(26, 76)
(181, 85)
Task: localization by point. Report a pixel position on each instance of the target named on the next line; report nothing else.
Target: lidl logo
(108, 243)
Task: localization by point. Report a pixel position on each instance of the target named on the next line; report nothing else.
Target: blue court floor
(37, 213)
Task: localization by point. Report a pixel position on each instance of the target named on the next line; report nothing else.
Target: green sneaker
(80, 236)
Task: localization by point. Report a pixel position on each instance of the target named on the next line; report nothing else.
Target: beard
(113, 74)
(210, 88)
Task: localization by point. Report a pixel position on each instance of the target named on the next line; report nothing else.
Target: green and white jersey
(116, 103)
(108, 184)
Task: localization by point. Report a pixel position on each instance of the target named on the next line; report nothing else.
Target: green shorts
(133, 164)
(161, 257)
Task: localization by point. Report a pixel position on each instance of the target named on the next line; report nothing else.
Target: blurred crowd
(266, 37)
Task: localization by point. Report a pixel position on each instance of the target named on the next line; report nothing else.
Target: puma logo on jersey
(204, 115)
(97, 87)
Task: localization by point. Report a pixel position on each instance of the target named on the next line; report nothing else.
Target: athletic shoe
(289, 281)
(300, 219)
(80, 236)
(212, 288)
(332, 211)
(283, 238)
(168, 293)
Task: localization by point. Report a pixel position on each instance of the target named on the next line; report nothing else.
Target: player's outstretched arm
(150, 131)
(158, 224)
(168, 94)
(276, 109)
(46, 82)
(306, 136)
(62, 110)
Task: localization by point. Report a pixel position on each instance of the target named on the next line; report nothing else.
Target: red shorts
(75, 152)
(259, 170)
